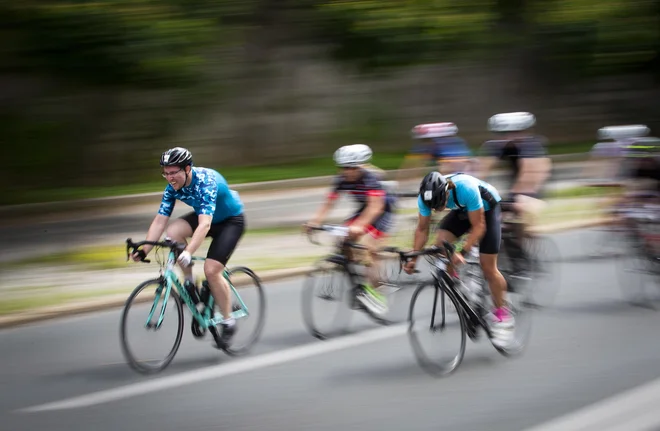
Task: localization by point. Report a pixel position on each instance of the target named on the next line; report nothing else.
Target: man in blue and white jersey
(217, 213)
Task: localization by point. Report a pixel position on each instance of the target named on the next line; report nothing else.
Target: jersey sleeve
(167, 202)
(532, 148)
(336, 188)
(468, 194)
(373, 185)
(423, 209)
(209, 189)
(491, 149)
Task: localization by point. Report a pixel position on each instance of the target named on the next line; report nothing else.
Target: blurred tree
(107, 42)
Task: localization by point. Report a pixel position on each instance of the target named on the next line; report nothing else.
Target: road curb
(102, 304)
(115, 301)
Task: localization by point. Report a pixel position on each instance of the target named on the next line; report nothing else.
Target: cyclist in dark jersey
(371, 222)
(217, 212)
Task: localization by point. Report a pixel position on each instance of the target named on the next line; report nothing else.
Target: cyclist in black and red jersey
(372, 221)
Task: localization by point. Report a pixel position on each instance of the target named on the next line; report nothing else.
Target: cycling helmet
(511, 122)
(176, 156)
(619, 133)
(434, 130)
(433, 190)
(352, 155)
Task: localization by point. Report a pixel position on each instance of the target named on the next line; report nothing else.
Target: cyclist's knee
(212, 268)
(179, 230)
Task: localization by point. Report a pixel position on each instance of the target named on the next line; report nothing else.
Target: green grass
(311, 167)
(17, 305)
(583, 191)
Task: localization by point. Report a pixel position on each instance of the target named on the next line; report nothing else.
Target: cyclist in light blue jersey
(217, 213)
(475, 208)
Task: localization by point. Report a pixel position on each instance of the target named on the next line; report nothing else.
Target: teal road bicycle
(206, 315)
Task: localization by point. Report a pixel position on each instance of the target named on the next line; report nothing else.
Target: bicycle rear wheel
(326, 299)
(248, 308)
(150, 315)
(429, 317)
(544, 261)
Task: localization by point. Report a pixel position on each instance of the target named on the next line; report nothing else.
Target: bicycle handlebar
(336, 230)
(447, 249)
(132, 247)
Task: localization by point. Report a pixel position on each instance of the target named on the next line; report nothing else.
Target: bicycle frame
(169, 278)
(445, 284)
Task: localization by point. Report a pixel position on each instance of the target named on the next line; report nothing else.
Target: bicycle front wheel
(248, 308)
(436, 329)
(147, 308)
(326, 294)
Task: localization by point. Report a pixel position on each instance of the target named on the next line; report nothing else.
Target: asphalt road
(51, 233)
(589, 346)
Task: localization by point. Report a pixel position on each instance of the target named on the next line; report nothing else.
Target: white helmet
(352, 155)
(511, 122)
(618, 133)
(434, 130)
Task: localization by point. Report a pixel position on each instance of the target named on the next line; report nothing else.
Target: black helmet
(433, 190)
(176, 156)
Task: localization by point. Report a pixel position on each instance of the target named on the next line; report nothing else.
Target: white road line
(217, 371)
(633, 410)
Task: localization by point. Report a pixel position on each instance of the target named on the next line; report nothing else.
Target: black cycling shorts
(458, 223)
(225, 234)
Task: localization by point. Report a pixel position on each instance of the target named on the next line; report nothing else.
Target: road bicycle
(205, 315)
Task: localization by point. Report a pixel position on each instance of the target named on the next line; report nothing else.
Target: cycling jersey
(360, 190)
(608, 149)
(208, 194)
(469, 195)
(512, 151)
(443, 148)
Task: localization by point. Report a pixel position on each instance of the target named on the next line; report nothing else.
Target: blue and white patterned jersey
(208, 194)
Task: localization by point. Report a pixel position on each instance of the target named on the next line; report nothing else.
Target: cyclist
(218, 213)
(607, 156)
(370, 224)
(529, 165)
(438, 146)
(641, 170)
(474, 208)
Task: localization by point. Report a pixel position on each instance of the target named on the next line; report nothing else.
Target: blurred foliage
(585, 36)
(384, 33)
(105, 82)
(105, 42)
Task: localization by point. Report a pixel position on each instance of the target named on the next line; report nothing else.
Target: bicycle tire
(238, 350)
(341, 318)
(431, 366)
(545, 260)
(133, 362)
(635, 270)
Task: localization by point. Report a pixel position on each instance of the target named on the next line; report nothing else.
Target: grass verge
(312, 167)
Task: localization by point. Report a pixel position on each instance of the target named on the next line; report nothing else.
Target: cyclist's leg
(181, 229)
(452, 226)
(226, 236)
(502, 322)
(488, 251)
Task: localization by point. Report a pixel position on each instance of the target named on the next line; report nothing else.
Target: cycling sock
(501, 313)
(229, 322)
(190, 279)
